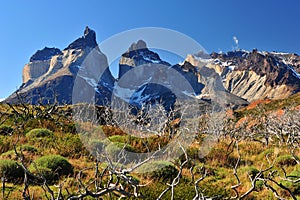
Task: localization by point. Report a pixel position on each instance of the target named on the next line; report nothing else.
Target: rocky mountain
(258, 75)
(144, 78)
(80, 73)
(51, 74)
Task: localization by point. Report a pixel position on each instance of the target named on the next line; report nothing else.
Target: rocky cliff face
(50, 75)
(39, 63)
(259, 75)
(255, 75)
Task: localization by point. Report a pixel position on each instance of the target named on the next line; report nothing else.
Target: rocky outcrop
(45, 54)
(87, 40)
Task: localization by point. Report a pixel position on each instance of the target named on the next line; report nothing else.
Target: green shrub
(182, 191)
(11, 170)
(114, 149)
(70, 145)
(252, 172)
(118, 138)
(6, 130)
(294, 187)
(286, 160)
(41, 138)
(159, 170)
(58, 165)
(259, 185)
(45, 173)
(39, 132)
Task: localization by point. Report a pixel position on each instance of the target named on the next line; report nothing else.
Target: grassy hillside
(256, 156)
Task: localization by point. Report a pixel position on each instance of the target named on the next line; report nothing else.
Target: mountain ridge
(240, 75)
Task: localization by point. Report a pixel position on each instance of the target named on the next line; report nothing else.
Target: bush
(6, 130)
(45, 172)
(11, 170)
(294, 187)
(39, 132)
(286, 160)
(58, 165)
(114, 149)
(159, 170)
(118, 138)
(41, 138)
(252, 172)
(70, 145)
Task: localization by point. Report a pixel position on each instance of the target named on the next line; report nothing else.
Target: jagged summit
(138, 45)
(45, 54)
(87, 40)
(138, 54)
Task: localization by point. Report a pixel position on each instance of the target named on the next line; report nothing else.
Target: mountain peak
(138, 45)
(87, 31)
(87, 40)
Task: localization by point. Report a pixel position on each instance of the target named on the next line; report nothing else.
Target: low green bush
(158, 170)
(11, 170)
(114, 149)
(39, 132)
(57, 165)
(118, 138)
(70, 145)
(293, 186)
(286, 160)
(41, 138)
(45, 173)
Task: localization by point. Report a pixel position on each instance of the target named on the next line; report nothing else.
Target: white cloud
(236, 41)
(2, 99)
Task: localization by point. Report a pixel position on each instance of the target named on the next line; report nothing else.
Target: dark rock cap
(87, 40)
(45, 54)
(138, 45)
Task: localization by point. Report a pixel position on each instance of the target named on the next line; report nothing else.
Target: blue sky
(27, 26)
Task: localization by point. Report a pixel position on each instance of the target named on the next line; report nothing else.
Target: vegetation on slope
(256, 156)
